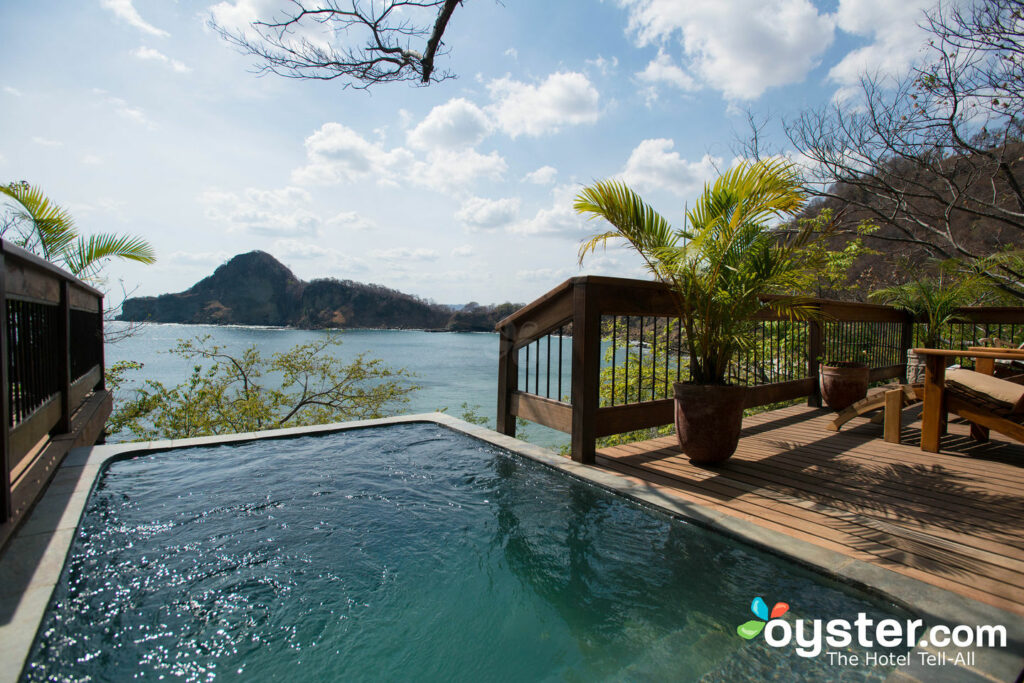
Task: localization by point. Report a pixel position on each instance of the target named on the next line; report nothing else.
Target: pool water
(407, 552)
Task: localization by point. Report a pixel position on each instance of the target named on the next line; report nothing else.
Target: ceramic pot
(708, 420)
(841, 387)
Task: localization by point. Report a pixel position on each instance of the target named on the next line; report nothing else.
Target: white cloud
(326, 258)
(196, 258)
(337, 154)
(563, 99)
(741, 47)
(91, 159)
(479, 213)
(237, 17)
(545, 274)
(125, 10)
(662, 69)
(893, 28)
(282, 212)
(148, 53)
(558, 219)
(125, 110)
(47, 142)
(605, 66)
(545, 175)
(454, 171)
(10, 90)
(464, 251)
(654, 165)
(458, 123)
(403, 254)
(512, 52)
(351, 220)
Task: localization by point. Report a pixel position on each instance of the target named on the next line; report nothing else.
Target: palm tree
(936, 300)
(723, 261)
(43, 227)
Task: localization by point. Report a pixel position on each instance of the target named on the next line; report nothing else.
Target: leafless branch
(358, 42)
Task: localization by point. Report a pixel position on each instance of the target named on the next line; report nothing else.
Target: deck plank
(954, 519)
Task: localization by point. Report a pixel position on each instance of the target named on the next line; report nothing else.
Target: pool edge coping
(55, 517)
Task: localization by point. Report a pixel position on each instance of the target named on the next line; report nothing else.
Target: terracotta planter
(841, 387)
(708, 420)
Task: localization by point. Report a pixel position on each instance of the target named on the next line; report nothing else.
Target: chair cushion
(998, 395)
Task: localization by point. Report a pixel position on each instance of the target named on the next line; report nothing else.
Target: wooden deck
(954, 519)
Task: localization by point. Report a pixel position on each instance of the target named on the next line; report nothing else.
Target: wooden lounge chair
(986, 401)
(875, 402)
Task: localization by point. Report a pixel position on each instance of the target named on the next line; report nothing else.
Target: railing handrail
(52, 395)
(20, 253)
(830, 308)
(582, 303)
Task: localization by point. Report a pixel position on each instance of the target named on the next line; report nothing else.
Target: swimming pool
(406, 552)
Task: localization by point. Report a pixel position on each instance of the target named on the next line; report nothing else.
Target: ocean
(451, 368)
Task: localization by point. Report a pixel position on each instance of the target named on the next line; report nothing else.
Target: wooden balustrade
(589, 309)
(52, 396)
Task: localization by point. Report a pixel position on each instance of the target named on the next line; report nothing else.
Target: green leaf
(750, 629)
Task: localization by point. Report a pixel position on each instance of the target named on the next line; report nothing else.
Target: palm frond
(86, 253)
(634, 220)
(53, 228)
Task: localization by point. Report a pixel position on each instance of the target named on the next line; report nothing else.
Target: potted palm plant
(935, 302)
(719, 266)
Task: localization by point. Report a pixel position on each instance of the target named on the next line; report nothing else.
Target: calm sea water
(451, 368)
(408, 553)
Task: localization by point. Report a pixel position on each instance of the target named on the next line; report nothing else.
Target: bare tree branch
(935, 156)
(358, 42)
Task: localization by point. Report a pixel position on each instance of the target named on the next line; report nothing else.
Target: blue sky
(139, 118)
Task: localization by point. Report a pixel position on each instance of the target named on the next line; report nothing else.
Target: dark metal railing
(628, 348)
(51, 342)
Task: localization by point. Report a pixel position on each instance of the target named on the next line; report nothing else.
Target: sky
(140, 119)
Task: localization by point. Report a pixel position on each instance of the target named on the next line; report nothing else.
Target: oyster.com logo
(896, 637)
(752, 628)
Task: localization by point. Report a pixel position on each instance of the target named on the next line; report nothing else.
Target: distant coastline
(257, 290)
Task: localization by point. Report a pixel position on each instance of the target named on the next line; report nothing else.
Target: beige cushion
(998, 395)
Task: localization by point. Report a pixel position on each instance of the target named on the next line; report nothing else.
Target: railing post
(6, 504)
(64, 362)
(508, 380)
(586, 371)
(814, 351)
(101, 349)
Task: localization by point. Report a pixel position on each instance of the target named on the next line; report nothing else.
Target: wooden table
(933, 414)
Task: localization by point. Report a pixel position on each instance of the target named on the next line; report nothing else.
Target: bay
(451, 368)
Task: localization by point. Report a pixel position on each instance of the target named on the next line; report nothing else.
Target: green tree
(38, 224)
(228, 393)
(725, 258)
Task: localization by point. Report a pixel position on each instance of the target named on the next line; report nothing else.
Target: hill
(257, 289)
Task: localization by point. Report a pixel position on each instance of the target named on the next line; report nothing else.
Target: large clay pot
(843, 386)
(708, 421)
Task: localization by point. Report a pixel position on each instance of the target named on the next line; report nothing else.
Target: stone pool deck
(763, 510)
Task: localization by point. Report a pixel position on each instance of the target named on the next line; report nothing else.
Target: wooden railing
(52, 396)
(597, 356)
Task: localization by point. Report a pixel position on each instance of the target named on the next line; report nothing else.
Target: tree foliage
(242, 392)
(358, 42)
(935, 156)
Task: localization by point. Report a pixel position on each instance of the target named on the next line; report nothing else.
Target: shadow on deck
(954, 519)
